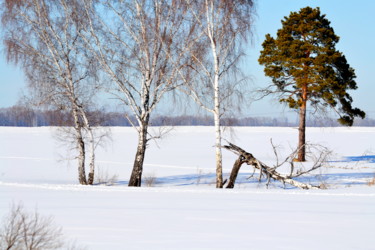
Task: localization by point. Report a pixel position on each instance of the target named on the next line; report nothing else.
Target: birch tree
(220, 29)
(43, 38)
(139, 46)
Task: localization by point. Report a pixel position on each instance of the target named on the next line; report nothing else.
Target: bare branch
(270, 173)
(22, 230)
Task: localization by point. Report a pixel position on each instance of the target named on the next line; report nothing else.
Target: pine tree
(306, 68)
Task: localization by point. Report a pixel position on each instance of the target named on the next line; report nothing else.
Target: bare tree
(43, 37)
(31, 231)
(20, 229)
(219, 28)
(140, 46)
(266, 172)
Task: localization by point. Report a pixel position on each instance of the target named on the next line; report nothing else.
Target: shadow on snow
(243, 180)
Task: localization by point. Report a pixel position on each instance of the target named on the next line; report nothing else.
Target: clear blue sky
(353, 21)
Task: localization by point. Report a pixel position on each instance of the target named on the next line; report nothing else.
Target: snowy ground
(183, 210)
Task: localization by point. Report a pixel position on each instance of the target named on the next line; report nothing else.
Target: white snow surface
(183, 209)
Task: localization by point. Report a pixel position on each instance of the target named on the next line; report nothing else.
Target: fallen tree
(269, 173)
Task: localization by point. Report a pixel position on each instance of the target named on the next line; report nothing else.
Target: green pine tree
(306, 68)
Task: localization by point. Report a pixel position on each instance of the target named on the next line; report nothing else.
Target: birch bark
(44, 38)
(139, 49)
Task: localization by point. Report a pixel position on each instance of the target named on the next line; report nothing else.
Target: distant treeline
(20, 116)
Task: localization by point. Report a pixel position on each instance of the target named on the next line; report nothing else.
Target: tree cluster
(142, 52)
(23, 116)
(138, 51)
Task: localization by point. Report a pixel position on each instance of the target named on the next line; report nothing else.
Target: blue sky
(353, 21)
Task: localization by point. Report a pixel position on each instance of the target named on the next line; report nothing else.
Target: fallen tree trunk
(268, 172)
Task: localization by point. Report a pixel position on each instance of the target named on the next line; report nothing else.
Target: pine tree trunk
(81, 149)
(136, 176)
(302, 133)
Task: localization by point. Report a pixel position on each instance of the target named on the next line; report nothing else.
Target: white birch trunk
(91, 174)
(143, 121)
(219, 167)
(136, 176)
(81, 149)
(216, 85)
(90, 180)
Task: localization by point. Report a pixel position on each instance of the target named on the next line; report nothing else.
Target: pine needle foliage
(306, 67)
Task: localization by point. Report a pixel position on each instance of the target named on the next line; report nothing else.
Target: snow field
(184, 210)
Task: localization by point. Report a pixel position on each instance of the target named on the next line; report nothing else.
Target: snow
(184, 210)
